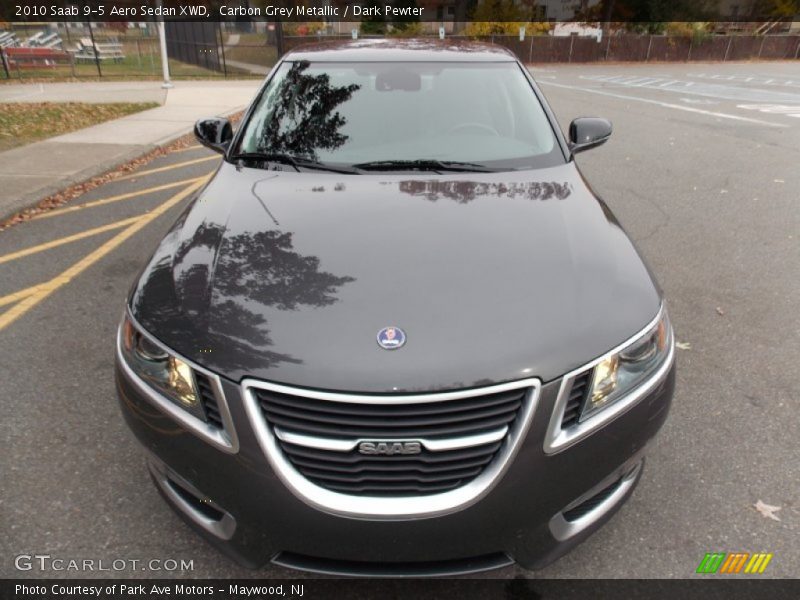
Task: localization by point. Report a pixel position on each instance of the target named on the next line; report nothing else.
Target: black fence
(208, 50)
(195, 50)
(196, 43)
(629, 47)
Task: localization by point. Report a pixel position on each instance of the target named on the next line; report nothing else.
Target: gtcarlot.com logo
(734, 563)
(46, 562)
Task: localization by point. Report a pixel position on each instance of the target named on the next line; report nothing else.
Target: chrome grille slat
(432, 458)
(356, 409)
(450, 417)
(298, 425)
(402, 477)
(388, 467)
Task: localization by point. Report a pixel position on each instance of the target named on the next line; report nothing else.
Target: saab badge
(391, 338)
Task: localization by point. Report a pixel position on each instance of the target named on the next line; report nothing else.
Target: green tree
(374, 24)
(406, 23)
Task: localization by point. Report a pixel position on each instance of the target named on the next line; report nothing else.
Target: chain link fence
(629, 47)
(130, 51)
(211, 50)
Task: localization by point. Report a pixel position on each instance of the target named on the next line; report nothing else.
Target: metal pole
(222, 49)
(279, 38)
(530, 51)
(649, 45)
(797, 52)
(162, 38)
(761, 47)
(728, 48)
(689, 54)
(608, 47)
(5, 63)
(571, 44)
(94, 48)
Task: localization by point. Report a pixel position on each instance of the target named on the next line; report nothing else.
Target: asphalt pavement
(704, 178)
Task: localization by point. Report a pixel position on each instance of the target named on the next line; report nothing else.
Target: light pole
(162, 38)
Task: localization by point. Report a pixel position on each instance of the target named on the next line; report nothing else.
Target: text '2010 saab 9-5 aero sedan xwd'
(396, 332)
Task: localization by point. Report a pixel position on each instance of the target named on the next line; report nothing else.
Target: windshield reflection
(303, 116)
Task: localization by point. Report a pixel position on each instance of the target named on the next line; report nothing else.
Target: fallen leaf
(768, 511)
(683, 345)
(69, 194)
(720, 311)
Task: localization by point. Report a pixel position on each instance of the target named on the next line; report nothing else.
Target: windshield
(372, 114)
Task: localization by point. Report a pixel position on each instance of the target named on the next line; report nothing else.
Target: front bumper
(543, 505)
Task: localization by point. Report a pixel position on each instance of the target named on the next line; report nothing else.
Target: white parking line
(773, 109)
(666, 105)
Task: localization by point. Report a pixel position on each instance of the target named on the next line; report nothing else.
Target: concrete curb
(32, 198)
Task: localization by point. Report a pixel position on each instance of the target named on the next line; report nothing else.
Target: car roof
(401, 50)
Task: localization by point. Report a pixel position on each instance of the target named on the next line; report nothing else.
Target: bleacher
(86, 51)
(8, 39)
(35, 58)
(42, 40)
(41, 50)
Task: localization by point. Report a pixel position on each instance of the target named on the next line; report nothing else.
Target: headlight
(167, 374)
(621, 372)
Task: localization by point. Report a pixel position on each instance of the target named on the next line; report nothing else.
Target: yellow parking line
(66, 240)
(168, 167)
(47, 288)
(17, 296)
(110, 199)
(192, 147)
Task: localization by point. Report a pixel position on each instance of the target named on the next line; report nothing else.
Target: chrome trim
(557, 439)
(335, 445)
(563, 530)
(343, 568)
(223, 529)
(225, 440)
(383, 508)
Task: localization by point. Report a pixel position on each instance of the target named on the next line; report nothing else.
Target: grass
(253, 54)
(22, 123)
(252, 48)
(132, 68)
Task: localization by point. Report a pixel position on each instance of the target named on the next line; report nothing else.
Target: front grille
(580, 387)
(429, 472)
(208, 400)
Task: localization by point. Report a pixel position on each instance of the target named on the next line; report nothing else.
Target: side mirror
(214, 133)
(588, 132)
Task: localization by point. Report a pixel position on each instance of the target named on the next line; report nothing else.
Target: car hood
(288, 277)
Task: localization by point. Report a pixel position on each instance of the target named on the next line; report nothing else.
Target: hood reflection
(464, 192)
(212, 291)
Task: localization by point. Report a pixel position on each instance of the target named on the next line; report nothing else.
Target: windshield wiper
(422, 165)
(288, 159)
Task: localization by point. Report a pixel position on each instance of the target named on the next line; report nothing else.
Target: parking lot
(702, 171)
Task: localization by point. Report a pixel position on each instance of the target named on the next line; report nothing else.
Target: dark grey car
(396, 333)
